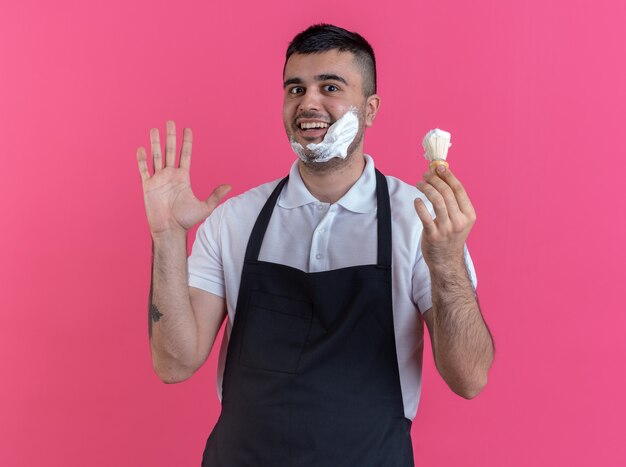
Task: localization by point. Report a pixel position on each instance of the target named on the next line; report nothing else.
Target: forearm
(462, 344)
(171, 323)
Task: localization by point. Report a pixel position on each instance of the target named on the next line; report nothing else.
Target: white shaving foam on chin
(336, 140)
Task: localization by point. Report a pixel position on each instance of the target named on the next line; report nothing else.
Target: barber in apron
(311, 375)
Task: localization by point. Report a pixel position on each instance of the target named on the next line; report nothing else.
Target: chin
(330, 165)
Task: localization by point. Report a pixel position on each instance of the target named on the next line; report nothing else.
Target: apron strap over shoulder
(258, 232)
(383, 213)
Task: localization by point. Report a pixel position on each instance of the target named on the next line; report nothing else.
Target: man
(323, 275)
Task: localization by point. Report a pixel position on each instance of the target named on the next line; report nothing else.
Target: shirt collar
(360, 198)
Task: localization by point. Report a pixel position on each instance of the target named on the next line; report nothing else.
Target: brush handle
(433, 165)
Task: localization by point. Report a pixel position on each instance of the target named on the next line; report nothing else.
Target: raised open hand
(170, 203)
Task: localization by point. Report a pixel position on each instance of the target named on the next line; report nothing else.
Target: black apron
(311, 374)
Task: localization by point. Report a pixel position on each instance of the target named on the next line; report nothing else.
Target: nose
(310, 101)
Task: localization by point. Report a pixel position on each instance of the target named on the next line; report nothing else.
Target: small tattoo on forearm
(154, 315)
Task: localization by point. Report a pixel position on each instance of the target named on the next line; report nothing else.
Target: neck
(329, 183)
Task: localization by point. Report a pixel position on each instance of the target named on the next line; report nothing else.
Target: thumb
(215, 198)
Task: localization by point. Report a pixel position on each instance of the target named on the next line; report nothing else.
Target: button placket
(318, 259)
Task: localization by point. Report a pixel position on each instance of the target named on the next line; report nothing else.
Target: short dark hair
(324, 37)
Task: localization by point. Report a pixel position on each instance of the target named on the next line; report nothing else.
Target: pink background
(533, 93)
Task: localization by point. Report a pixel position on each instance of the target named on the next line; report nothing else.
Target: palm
(170, 202)
(169, 199)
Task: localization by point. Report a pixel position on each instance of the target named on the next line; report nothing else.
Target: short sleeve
(204, 265)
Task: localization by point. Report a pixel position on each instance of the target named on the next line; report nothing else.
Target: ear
(371, 108)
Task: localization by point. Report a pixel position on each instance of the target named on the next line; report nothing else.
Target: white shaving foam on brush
(336, 140)
(436, 144)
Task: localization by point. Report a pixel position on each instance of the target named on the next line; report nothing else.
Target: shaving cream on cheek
(336, 140)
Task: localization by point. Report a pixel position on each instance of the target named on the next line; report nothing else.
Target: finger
(143, 164)
(213, 200)
(439, 204)
(170, 144)
(424, 215)
(452, 205)
(185, 152)
(155, 146)
(463, 201)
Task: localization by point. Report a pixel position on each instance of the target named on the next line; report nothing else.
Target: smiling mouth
(312, 130)
(306, 126)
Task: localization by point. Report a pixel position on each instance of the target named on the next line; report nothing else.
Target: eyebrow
(323, 77)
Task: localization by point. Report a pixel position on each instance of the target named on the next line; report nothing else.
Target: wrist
(453, 266)
(168, 236)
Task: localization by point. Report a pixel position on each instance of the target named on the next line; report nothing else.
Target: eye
(296, 90)
(331, 88)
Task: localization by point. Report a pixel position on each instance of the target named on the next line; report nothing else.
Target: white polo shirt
(307, 234)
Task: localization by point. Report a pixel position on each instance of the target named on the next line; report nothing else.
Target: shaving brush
(436, 144)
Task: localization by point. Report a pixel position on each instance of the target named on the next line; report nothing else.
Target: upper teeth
(305, 126)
